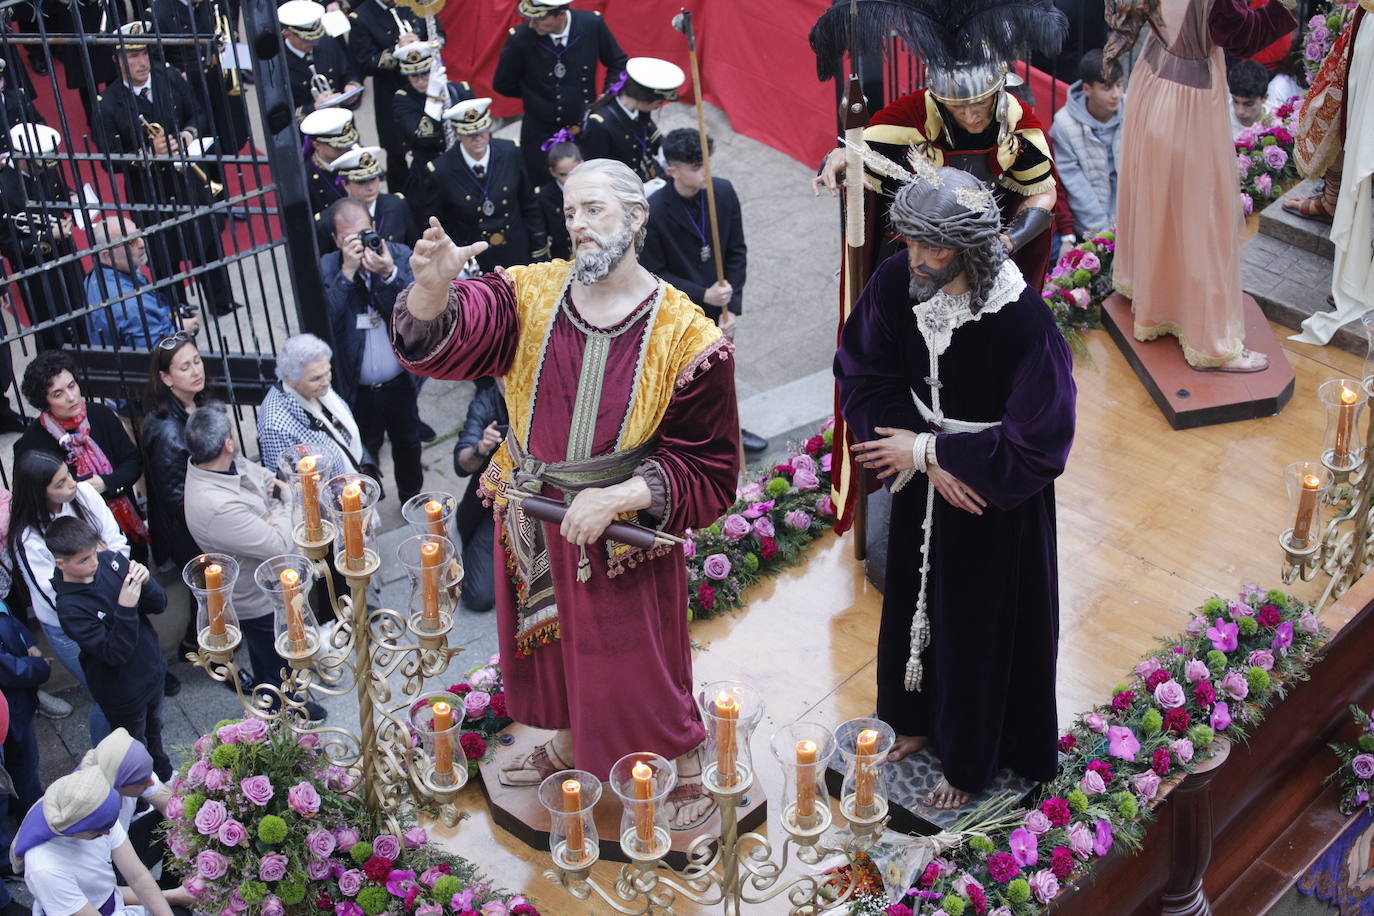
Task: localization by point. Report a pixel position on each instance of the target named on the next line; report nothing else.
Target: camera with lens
(371, 239)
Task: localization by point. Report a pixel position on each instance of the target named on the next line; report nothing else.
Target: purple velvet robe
(987, 699)
(620, 676)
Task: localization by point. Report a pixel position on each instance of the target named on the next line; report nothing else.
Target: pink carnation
(475, 704)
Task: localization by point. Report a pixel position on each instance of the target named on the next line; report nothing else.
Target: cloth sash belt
(536, 604)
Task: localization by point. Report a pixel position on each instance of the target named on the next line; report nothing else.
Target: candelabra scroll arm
(581, 887)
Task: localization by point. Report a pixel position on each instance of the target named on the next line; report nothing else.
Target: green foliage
(1201, 735)
(828, 437)
(981, 844)
(1367, 743)
(1126, 805)
(1276, 597)
(751, 563)
(291, 892)
(191, 806)
(1257, 678)
(1078, 800)
(1216, 661)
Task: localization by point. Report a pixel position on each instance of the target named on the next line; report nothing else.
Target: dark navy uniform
(391, 217)
(550, 197)
(33, 205)
(423, 135)
(200, 65)
(331, 58)
(679, 235)
(515, 228)
(372, 40)
(529, 70)
(612, 133)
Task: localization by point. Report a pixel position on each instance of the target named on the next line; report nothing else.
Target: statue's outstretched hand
(436, 263)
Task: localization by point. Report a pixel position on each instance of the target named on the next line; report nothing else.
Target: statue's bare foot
(905, 746)
(945, 797)
(689, 804)
(540, 763)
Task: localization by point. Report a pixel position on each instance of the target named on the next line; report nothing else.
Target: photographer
(361, 281)
(142, 316)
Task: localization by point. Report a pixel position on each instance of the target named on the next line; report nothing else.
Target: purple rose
(1081, 839)
(1221, 717)
(216, 780)
(1197, 626)
(252, 731)
(195, 886)
(485, 678)
(494, 908)
(1283, 637)
(763, 527)
(689, 549)
(1122, 742)
(475, 703)
(309, 740)
(317, 869)
(350, 882)
(1239, 609)
(797, 519)
(429, 909)
(1090, 263)
(1092, 783)
(805, 480)
(204, 744)
(303, 799)
(195, 775)
(1102, 841)
(1308, 623)
(347, 908)
(1262, 658)
(1195, 670)
(257, 789)
(337, 778)
(228, 734)
(1363, 765)
(175, 806)
(1243, 165)
(1095, 722)
(1145, 784)
(1044, 885)
(346, 837)
(735, 526)
(717, 566)
(232, 833)
(1037, 822)
(1169, 695)
(803, 462)
(179, 845)
(273, 867)
(386, 846)
(1275, 157)
(1182, 749)
(1224, 636)
(320, 842)
(236, 902)
(431, 875)
(1234, 685)
(210, 816)
(272, 906)
(1247, 203)
(1146, 668)
(210, 865)
(415, 837)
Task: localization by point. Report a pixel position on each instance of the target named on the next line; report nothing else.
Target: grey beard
(596, 266)
(921, 289)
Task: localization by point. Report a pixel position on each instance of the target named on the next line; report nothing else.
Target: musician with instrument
(37, 228)
(380, 29)
(418, 107)
(147, 122)
(331, 133)
(219, 92)
(321, 70)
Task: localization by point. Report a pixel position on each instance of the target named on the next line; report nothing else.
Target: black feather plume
(944, 32)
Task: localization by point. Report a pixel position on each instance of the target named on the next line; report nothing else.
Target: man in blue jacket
(143, 315)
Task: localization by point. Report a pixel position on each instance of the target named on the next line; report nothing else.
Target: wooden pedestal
(518, 810)
(1189, 398)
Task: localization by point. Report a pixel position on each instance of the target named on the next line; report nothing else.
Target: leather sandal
(1314, 206)
(685, 793)
(538, 765)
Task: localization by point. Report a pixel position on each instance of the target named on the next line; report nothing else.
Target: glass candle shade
(863, 745)
(642, 782)
(1343, 445)
(1367, 324)
(569, 796)
(1308, 483)
(731, 710)
(211, 578)
(304, 467)
(286, 581)
(803, 750)
(436, 719)
(352, 501)
(431, 512)
(436, 575)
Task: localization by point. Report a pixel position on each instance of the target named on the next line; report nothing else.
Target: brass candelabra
(405, 753)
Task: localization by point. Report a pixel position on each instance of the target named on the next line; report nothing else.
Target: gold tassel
(584, 566)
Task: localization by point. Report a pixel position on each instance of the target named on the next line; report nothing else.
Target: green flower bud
(1152, 721)
(1018, 891)
(1212, 607)
(361, 852)
(252, 891)
(271, 829)
(1258, 679)
(953, 905)
(192, 805)
(1201, 735)
(291, 892)
(1249, 626)
(1216, 661)
(225, 756)
(777, 487)
(1077, 800)
(446, 887)
(373, 900)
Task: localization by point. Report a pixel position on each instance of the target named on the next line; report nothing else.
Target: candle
(1307, 508)
(295, 622)
(310, 498)
(434, 515)
(429, 563)
(865, 760)
(806, 779)
(727, 751)
(1345, 424)
(443, 743)
(214, 598)
(572, 806)
(351, 501)
(643, 778)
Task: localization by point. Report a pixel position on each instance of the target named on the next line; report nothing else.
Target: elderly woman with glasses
(304, 408)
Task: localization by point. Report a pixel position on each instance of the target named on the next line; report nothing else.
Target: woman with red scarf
(89, 437)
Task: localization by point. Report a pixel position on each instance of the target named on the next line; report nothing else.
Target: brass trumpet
(319, 82)
(225, 38)
(156, 130)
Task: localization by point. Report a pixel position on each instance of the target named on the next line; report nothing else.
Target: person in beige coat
(237, 507)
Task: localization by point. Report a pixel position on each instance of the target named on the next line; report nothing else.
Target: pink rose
(216, 779)
(1095, 722)
(195, 775)
(1145, 784)
(1147, 668)
(429, 909)
(1090, 263)
(763, 527)
(204, 744)
(1197, 626)
(195, 886)
(1081, 839)
(1239, 609)
(317, 869)
(432, 874)
(386, 846)
(1234, 685)
(717, 566)
(1037, 822)
(210, 865)
(475, 704)
(1078, 297)
(803, 462)
(805, 480)
(1170, 695)
(309, 740)
(1044, 885)
(209, 818)
(232, 833)
(303, 799)
(750, 492)
(485, 678)
(797, 519)
(350, 882)
(1262, 658)
(1308, 623)
(1092, 783)
(346, 837)
(415, 837)
(1247, 203)
(178, 844)
(272, 906)
(273, 867)
(494, 908)
(1195, 670)
(257, 789)
(228, 734)
(1264, 184)
(689, 549)
(320, 842)
(826, 461)
(735, 526)
(1182, 749)
(1363, 766)
(1244, 164)
(252, 731)
(337, 778)
(825, 506)
(175, 805)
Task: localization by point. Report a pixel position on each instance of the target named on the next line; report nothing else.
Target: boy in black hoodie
(103, 600)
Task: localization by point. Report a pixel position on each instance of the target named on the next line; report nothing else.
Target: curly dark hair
(38, 377)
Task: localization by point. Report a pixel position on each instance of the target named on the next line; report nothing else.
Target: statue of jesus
(621, 396)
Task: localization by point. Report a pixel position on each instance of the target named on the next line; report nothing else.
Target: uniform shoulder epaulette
(399, 92)
(537, 190)
(399, 196)
(317, 217)
(596, 12)
(352, 15)
(466, 85)
(595, 117)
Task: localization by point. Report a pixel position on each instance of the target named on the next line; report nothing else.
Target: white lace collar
(940, 315)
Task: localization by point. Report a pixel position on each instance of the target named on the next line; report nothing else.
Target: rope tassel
(584, 566)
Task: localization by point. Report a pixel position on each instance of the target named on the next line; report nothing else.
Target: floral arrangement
(1357, 764)
(1216, 679)
(484, 710)
(1321, 33)
(774, 517)
(1079, 283)
(1264, 159)
(260, 823)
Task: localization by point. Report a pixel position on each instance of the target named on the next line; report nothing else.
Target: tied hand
(436, 263)
(832, 173)
(592, 510)
(890, 455)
